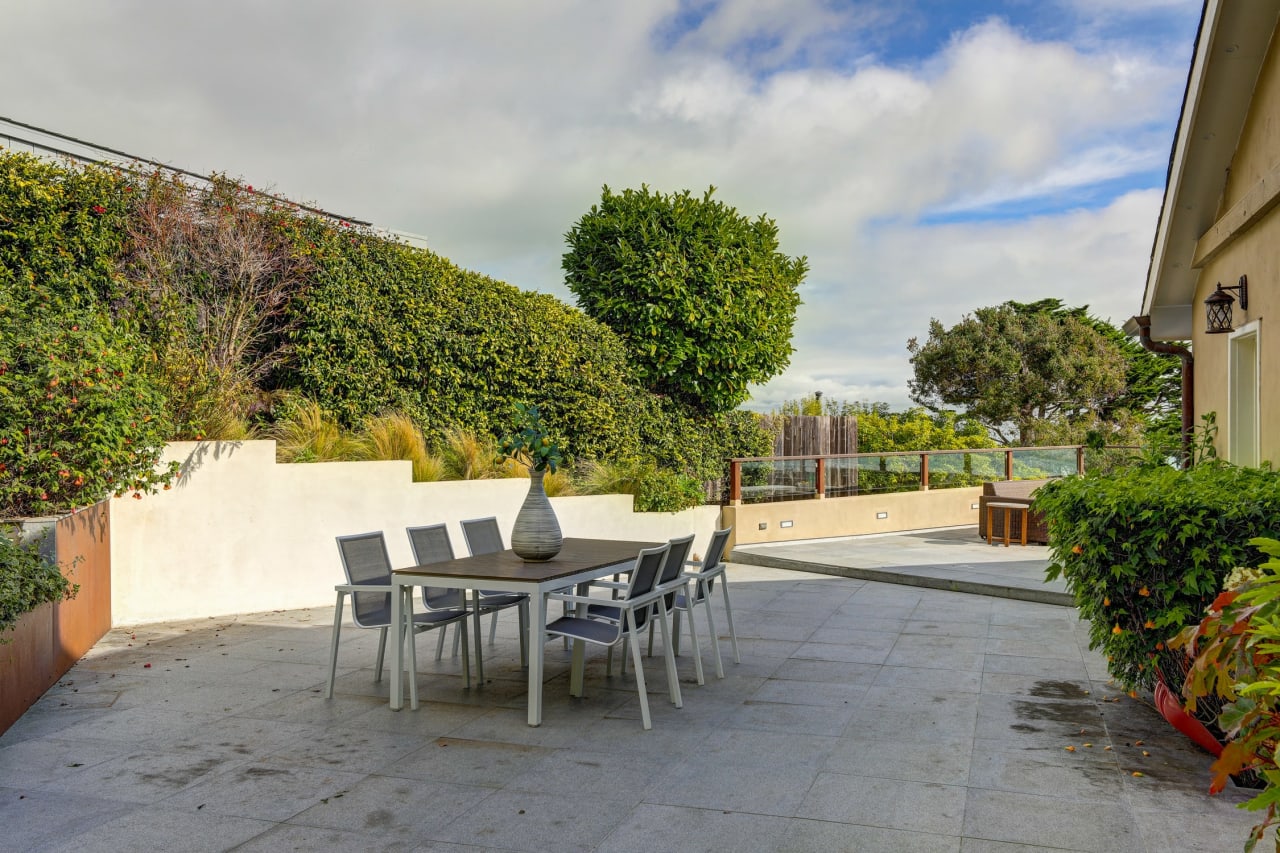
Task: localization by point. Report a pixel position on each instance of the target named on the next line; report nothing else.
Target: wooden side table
(1010, 509)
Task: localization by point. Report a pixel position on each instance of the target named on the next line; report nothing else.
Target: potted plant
(1236, 665)
(536, 535)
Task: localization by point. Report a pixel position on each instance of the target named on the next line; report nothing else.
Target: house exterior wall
(1258, 151)
(1253, 251)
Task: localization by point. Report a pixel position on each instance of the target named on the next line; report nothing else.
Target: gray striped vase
(536, 535)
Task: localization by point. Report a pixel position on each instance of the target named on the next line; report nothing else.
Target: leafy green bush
(61, 230)
(80, 419)
(665, 491)
(27, 580)
(1145, 549)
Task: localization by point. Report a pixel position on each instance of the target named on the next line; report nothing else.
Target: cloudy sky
(928, 156)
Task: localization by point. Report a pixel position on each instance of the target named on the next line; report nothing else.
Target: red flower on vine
(99, 209)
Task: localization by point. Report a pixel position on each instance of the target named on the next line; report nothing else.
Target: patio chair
(484, 537)
(431, 544)
(673, 582)
(368, 570)
(625, 618)
(703, 581)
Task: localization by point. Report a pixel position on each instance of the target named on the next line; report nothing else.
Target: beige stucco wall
(816, 519)
(1258, 151)
(241, 534)
(1253, 252)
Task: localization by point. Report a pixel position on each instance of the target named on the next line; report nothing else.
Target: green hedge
(80, 416)
(372, 325)
(385, 325)
(1144, 550)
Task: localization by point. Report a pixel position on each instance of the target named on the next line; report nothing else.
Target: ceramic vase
(536, 535)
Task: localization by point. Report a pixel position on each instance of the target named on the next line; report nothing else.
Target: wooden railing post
(735, 482)
(1080, 460)
(820, 476)
(924, 472)
(1008, 464)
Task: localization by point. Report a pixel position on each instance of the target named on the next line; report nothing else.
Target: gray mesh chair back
(483, 535)
(714, 555)
(673, 566)
(431, 545)
(644, 579)
(365, 561)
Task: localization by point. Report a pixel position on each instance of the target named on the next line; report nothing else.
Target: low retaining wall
(46, 642)
(853, 516)
(239, 533)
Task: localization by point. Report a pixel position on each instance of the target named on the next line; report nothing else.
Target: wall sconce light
(1217, 307)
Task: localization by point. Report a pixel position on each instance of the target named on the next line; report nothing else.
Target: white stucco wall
(240, 534)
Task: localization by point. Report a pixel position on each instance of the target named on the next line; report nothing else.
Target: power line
(137, 159)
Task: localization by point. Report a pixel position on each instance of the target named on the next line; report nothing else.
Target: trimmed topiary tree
(700, 294)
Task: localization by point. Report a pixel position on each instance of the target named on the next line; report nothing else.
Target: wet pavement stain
(184, 777)
(1075, 714)
(1058, 690)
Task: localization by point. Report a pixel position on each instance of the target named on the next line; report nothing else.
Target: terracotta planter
(46, 642)
(1170, 707)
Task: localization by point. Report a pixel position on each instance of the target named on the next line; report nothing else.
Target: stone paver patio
(864, 716)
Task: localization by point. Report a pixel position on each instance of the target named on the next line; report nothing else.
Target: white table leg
(475, 617)
(578, 663)
(537, 624)
(397, 652)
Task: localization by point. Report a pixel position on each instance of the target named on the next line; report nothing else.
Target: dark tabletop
(577, 555)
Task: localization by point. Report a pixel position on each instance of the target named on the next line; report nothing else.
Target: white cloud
(490, 126)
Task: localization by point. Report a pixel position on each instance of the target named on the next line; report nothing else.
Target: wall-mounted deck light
(1217, 307)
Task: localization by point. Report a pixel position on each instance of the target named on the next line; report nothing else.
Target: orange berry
(1117, 630)
(1148, 624)
(1144, 592)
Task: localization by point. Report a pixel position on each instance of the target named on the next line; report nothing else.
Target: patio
(864, 716)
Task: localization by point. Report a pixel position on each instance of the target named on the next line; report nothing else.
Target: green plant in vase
(536, 534)
(530, 444)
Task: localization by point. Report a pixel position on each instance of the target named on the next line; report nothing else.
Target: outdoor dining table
(579, 561)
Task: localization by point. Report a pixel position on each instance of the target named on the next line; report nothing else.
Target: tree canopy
(1153, 381)
(1028, 373)
(700, 294)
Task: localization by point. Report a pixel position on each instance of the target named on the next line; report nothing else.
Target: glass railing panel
(779, 480)
(882, 474)
(956, 470)
(1037, 464)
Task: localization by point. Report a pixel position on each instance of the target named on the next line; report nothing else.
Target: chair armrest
(362, 587)
(610, 584)
(714, 571)
(581, 599)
